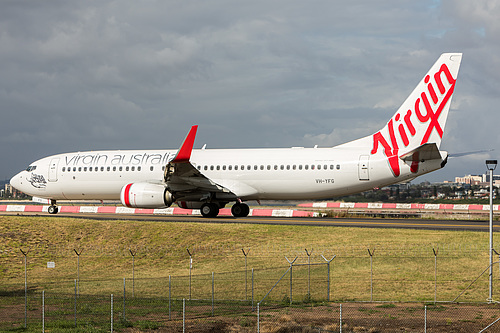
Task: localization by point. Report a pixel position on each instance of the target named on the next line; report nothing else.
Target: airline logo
(404, 127)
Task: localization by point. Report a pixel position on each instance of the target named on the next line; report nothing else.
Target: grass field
(403, 261)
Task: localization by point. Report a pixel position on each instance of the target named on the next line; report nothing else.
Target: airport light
(491, 165)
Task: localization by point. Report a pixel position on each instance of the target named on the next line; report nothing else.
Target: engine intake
(146, 195)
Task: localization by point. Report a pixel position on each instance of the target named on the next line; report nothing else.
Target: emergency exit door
(364, 167)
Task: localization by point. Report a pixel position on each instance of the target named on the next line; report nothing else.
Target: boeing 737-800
(208, 179)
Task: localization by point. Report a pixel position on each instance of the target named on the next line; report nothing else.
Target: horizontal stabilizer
(427, 151)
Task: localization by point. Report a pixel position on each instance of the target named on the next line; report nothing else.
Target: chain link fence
(355, 290)
(94, 313)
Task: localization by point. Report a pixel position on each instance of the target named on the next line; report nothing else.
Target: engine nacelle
(146, 195)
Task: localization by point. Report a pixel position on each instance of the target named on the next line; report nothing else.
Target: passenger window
(223, 167)
(64, 169)
(319, 167)
(138, 168)
(218, 167)
(151, 168)
(205, 167)
(230, 167)
(268, 167)
(282, 167)
(275, 167)
(79, 169)
(126, 168)
(312, 167)
(300, 166)
(288, 167)
(249, 167)
(255, 167)
(306, 167)
(85, 169)
(212, 167)
(338, 166)
(331, 167)
(102, 169)
(235, 167)
(133, 168)
(294, 167)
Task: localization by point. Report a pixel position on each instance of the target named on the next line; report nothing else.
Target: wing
(186, 182)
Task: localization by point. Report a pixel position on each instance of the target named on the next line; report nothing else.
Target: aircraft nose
(17, 181)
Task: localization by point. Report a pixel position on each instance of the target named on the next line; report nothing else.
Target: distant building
(10, 191)
(470, 179)
(482, 180)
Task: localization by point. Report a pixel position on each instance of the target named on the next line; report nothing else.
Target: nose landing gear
(53, 209)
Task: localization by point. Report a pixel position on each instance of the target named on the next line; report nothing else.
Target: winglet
(184, 152)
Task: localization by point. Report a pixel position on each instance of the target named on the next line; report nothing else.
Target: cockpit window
(31, 168)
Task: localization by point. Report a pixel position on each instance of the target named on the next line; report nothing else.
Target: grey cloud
(129, 74)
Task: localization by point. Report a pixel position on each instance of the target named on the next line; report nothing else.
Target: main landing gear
(53, 209)
(210, 209)
(240, 210)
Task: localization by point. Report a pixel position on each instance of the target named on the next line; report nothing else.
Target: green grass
(403, 261)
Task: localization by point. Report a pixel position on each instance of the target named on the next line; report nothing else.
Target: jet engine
(146, 195)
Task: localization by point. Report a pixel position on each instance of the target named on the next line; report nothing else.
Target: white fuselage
(252, 174)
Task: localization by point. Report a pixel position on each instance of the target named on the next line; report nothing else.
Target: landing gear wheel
(209, 210)
(240, 210)
(53, 209)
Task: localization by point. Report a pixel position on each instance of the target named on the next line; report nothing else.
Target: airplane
(209, 179)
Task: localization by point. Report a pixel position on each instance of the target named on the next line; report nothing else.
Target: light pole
(491, 165)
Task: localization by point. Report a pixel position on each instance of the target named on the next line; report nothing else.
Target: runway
(429, 224)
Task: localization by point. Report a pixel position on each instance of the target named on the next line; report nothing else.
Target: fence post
(133, 271)
(183, 315)
(258, 317)
(252, 290)
(371, 273)
(111, 313)
(435, 273)
(78, 269)
(340, 330)
(425, 319)
(124, 291)
(309, 272)
(246, 273)
(25, 287)
(190, 268)
(43, 310)
(169, 297)
(75, 302)
(213, 293)
(291, 276)
(328, 276)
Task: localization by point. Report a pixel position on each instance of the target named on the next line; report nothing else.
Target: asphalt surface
(411, 223)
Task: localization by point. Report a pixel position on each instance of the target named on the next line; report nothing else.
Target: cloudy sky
(88, 75)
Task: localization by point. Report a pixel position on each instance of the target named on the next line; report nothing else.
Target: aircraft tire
(209, 210)
(240, 210)
(53, 209)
